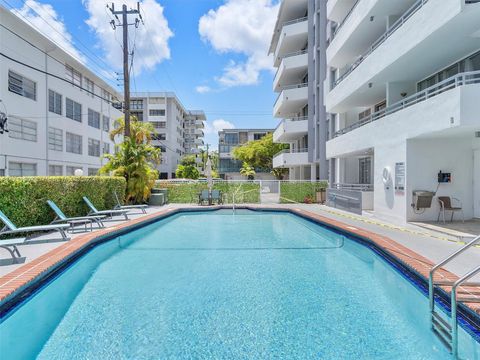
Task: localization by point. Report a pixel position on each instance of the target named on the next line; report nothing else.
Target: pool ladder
(447, 331)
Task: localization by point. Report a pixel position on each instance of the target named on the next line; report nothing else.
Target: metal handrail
(396, 25)
(291, 151)
(442, 263)
(295, 21)
(454, 305)
(361, 187)
(466, 78)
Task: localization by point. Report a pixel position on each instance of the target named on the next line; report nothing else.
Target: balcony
(198, 141)
(293, 67)
(448, 108)
(291, 100)
(293, 37)
(290, 129)
(291, 158)
(199, 124)
(337, 10)
(199, 132)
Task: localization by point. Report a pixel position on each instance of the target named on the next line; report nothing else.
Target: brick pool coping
(19, 280)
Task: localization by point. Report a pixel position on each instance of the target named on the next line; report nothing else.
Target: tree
(135, 159)
(259, 154)
(247, 171)
(187, 169)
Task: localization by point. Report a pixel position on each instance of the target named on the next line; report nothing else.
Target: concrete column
(313, 172)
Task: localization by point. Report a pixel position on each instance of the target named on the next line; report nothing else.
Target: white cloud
(242, 27)
(46, 20)
(217, 125)
(202, 89)
(151, 39)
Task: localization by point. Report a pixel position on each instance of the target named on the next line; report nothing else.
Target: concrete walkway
(430, 244)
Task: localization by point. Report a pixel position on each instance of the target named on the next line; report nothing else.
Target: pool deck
(417, 248)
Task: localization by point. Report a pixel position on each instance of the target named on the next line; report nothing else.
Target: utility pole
(126, 76)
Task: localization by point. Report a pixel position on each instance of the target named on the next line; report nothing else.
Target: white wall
(426, 158)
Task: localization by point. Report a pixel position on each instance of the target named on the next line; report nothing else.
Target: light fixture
(372, 18)
(403, 94)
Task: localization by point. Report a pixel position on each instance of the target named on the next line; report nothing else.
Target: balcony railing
(466, 78)
(396, 25)
(291, 151)
(343, 21)
(294, 21)
(295, 53)
(289, 87)
(357, 187)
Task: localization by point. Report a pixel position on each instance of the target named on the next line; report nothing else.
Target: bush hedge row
(187, 193)
(23, 199)
(299, 191)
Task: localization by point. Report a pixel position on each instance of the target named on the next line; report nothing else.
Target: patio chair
(60, 217)
(203, 196)
(217, 197)
(108, 213)
(119, 205)
(446, 205)
(10, 228)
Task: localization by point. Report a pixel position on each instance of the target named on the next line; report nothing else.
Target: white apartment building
(228, 139)
(59, 112)
(403, 91)
(298, 47)
(179, 131)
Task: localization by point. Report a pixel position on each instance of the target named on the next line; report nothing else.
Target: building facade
(402, 88)
(179, 131)
(59, 112)
(228, 139)
(298, 47)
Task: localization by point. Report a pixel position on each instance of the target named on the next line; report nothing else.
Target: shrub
(24, 199)
(187, 193)
(300, 191)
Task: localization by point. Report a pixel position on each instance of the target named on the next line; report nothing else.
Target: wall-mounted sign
(400, 177)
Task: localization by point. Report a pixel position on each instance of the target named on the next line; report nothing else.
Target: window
(106, 148)
(22, 129)
(258, 136)
(364, 166)
(159, 137)
(22, 169)
(73, 76)
(70, 170)
(93, 147)
(106, 123)
(90, 86)
(92, 171)
(55, 139)
(73, 110)
(55, 170)
(229, 165)
(157, 112)
(231, 138)
(93, 119)
(381, 105)
(136, 104)
(54, 102)
(74, 143)
(159, 125)
(22, 86)
(137, 114)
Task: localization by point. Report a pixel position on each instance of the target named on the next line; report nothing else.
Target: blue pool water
(218, 286)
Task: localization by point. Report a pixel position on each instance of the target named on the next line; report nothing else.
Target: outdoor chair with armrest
(446, 205)
(110, 213)
(203, 196)
(119, 206)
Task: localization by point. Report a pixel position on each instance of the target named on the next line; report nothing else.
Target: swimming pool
(216, 285)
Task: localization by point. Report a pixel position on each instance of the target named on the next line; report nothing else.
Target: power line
(56, 77)
(106, 68)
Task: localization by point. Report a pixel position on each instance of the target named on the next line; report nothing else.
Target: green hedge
(298, 191)
(187, 193)
(23, 199)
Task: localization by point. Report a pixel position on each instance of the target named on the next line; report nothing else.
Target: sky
(212, 53)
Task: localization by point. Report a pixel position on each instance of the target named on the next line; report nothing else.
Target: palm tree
(135, 159)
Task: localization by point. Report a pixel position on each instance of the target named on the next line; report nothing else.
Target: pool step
(442, 329)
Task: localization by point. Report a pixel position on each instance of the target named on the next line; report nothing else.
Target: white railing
(289, 87)
(295, 21)
(358, 187)
(467, 78)
(291, 151)
(396, 25)
(343, 21)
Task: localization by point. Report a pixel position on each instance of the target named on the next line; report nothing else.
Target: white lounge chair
(119, 206)
(110, 213)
